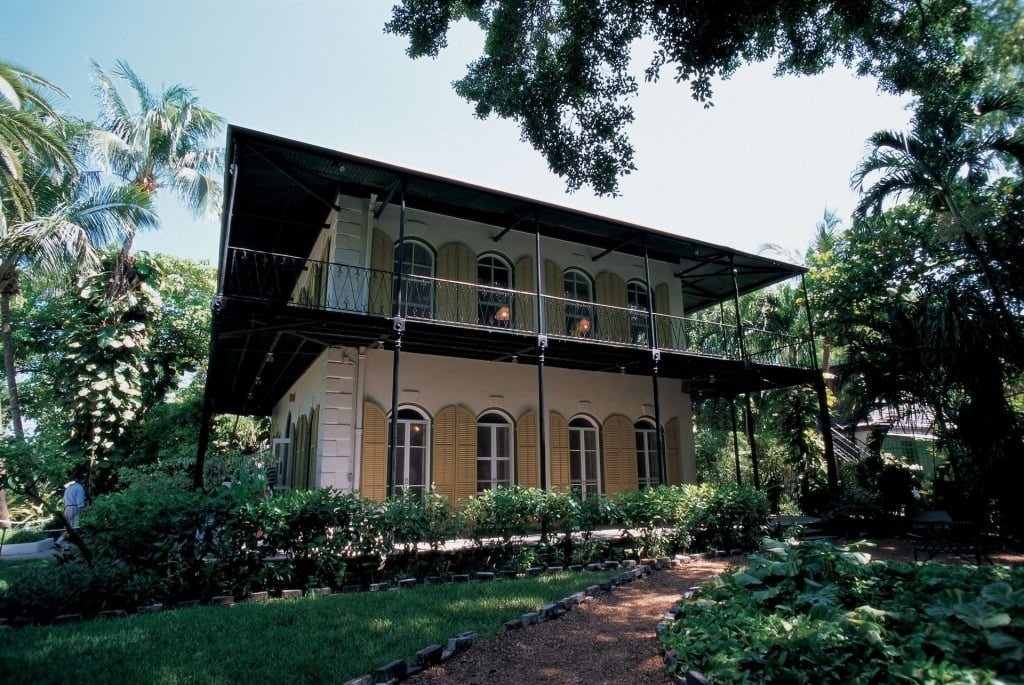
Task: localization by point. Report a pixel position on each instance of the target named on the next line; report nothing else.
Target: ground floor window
(584, 458)
(493, 452)
(648, 465)
(412, 453)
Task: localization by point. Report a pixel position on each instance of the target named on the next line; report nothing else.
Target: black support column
(655, 359)
(398, 322)
(542, 346)
(824, 416)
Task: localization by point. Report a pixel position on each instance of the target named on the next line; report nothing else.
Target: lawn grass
(311, 640)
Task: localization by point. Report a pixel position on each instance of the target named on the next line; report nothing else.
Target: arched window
(638, 300)
(648, 465)
(493, 452)
(494, 275)
(584, 458)
(412, 456)
(579, 313)
(417, 261)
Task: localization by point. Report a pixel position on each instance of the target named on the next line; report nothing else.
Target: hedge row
(172, 545)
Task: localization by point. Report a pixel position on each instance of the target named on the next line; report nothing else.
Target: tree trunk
(10, 287)
(119, 274)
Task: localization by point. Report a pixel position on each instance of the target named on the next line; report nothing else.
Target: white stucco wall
(431, 383)
(333, 383)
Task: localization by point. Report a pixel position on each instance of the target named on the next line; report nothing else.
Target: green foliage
(563, 70)
(172, 543)
(822, 613)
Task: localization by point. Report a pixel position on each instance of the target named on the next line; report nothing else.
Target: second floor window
(494, 275)
(417, 262)
(638, 302)
(579, 313)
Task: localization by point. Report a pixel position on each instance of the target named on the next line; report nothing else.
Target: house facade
(406, 331)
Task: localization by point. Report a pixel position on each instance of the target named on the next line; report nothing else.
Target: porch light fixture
(503, 314)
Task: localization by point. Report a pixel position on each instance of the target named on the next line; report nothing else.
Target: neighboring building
(905, 431)
(517, 342)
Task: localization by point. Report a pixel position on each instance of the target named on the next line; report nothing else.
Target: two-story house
(406, 331)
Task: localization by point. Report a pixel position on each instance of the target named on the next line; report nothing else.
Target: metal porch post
(735, 439)
(655, 358)
(542, 345)
(218, 301)
(824, 416)
(736, 303)
(753, 442)
(398, 322)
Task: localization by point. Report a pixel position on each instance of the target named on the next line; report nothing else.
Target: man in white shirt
(74, 503)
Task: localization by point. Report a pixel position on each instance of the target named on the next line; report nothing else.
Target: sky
(759, 168)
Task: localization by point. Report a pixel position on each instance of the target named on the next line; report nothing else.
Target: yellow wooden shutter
(314, 447)
(525, 285)
(456, 303)
(374, 468)
(527, 463)
(453, 462)
(619, 455)
(554, 285)
(673, 452)
(465, 455)
(666, 340)
(558, 438)
(382, 261)
(443, 456)
(611, 324)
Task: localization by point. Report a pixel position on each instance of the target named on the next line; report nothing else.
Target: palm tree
(74, 212)
(161, 141)
(947, 160)
(955, 162)
(29, 131)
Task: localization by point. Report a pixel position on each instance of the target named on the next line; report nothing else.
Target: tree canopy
(562, 69)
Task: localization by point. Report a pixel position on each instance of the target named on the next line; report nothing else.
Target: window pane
(502, 443)
(483, 472)
(483, 442)
(417, 434)
(504, 474)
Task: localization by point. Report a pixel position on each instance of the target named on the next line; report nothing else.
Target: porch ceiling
(285, 190)
(278, 201)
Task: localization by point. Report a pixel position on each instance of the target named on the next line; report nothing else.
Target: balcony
(305, 284)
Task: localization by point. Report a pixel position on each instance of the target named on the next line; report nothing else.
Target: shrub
(816, 612)
(725, 517)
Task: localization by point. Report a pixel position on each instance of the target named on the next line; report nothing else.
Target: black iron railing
(357, 290)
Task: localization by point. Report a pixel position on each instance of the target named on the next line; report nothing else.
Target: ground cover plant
(821, 613)
(308, 640)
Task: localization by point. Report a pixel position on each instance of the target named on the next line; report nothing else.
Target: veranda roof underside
(278, 202)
